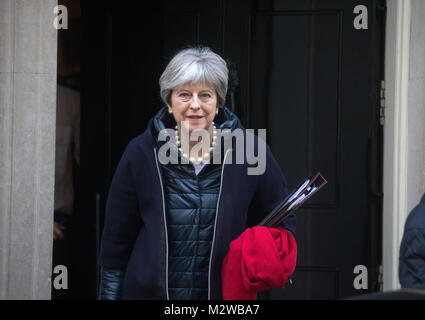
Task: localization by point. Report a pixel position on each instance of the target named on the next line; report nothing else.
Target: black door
(300, 69)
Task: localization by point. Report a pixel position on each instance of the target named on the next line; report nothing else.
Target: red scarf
(259, 259)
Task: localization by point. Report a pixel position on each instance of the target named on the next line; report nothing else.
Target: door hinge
(382, 103)
(380, 278)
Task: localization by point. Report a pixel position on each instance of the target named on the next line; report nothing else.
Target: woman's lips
(194, 118)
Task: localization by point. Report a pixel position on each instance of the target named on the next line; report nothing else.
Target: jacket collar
(225, 120)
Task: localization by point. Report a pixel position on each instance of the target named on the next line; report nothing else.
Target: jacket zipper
(215, 225)
(165, 224)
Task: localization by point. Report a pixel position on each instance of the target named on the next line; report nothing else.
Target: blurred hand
(57, 231)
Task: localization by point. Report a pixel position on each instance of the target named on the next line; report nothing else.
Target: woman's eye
(206, 95)
(183, 95)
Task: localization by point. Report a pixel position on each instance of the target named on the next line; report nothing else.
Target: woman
(169, 224)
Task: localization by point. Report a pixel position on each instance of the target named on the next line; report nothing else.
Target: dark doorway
(300, 69)
(68, 232)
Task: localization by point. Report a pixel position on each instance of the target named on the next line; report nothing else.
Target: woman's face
(196, 104)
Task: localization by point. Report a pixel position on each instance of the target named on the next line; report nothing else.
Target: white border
(395, 136)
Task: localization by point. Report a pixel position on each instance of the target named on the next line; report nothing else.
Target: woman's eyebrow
(182, 89)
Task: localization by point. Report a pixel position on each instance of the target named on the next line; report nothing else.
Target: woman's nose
(194, 104)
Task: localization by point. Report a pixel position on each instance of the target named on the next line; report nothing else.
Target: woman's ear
(170, 111)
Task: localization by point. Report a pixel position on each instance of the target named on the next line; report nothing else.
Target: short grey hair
(195, 65)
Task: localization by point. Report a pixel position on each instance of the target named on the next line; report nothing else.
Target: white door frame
(395, 136)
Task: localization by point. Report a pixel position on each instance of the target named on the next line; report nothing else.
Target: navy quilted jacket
(190, 202)
(138, 233)
(190, 206)
(412, 249)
